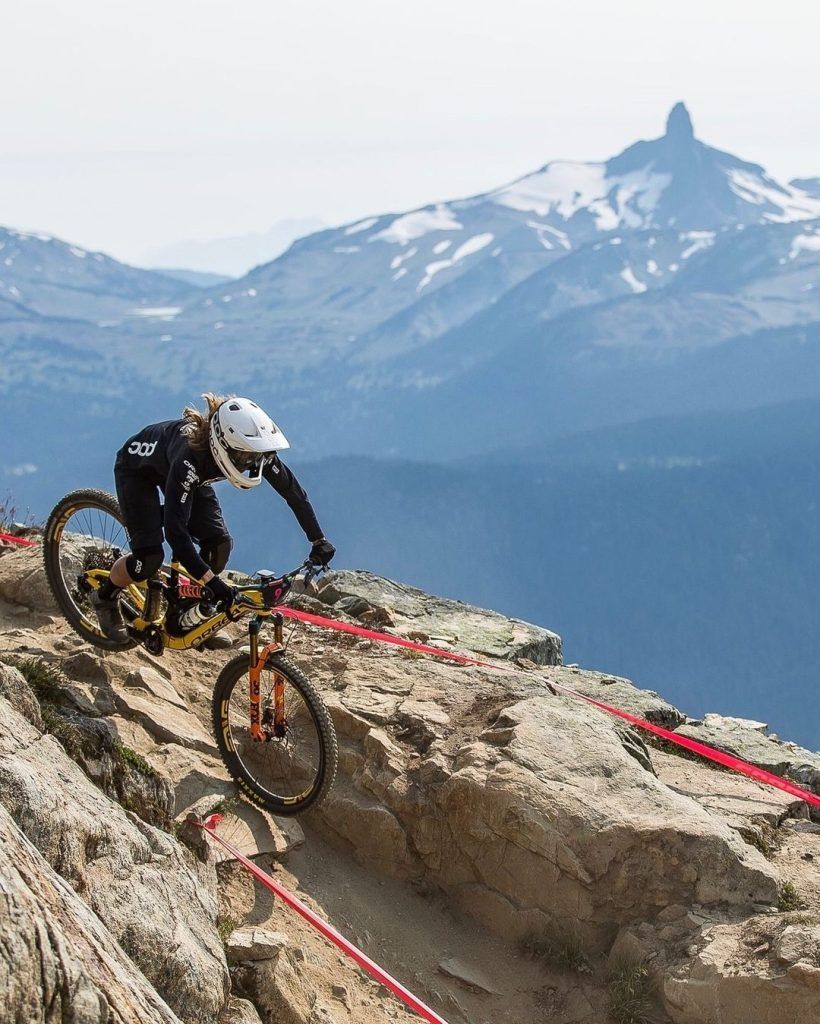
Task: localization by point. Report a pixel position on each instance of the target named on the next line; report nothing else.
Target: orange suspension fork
(257, 663)
(279, 680)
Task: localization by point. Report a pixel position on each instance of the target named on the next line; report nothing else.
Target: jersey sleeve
(285, 483)
(180, 486)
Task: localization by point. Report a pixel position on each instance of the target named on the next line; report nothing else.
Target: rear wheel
(284, 773)
(85, 531)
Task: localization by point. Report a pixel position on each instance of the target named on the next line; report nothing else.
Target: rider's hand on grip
(222, 594)
(322, 552)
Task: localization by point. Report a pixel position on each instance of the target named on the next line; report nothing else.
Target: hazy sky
(124, 126)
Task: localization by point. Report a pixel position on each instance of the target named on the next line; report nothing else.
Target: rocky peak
(679, 124)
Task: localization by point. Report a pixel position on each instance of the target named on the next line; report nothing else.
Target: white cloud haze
(128, 126)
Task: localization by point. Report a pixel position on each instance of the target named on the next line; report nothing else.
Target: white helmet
(242, 437)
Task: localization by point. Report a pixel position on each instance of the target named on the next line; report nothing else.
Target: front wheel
(294, 766)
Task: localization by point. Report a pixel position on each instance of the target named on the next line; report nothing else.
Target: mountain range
(236, 255)
(556, 397)
(672, 278)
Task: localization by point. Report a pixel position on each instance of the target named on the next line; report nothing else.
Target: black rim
(90, 537)
(288, 768)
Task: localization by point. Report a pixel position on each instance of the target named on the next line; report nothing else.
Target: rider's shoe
(217, 642)
(110, 617)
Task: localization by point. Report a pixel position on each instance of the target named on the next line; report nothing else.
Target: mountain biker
(232, 440)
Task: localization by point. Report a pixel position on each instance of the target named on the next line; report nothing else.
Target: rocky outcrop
(440, 621)
(154, 899)
(23, 580)
(751, 741)
(620, 693)
(536, 818)
(762, 969)
(59, 962)
(494, 792)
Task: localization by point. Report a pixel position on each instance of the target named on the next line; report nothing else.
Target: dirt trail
(406, 930)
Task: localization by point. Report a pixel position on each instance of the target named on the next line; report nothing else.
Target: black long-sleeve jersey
(161, 454)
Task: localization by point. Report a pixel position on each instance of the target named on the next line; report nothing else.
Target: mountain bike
(271, 725)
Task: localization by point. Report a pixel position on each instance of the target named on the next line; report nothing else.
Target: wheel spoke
(287, 767)
(87, 541)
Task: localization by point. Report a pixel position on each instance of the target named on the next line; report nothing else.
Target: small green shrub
(564, 952)
(668, 747)
(10, 515)
(762, 838)
(411, 655)
(789, 898)
(225, 926)
(630, 994)
(43, 677)
(224, 806)
(134, 760)
(61, 729)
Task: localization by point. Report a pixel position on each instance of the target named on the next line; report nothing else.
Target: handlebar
(275, 588)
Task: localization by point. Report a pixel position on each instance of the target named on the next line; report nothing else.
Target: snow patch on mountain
(548, 236)
(792, 203)
(163, 312)
(472, 245)
(398, 260)
(414, 225)
(628, 275)
(567, 187)
(804, 243)
(362, 225)
(469, 248)
(699, 239)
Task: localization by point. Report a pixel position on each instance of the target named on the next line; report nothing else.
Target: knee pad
(142, 563)
(216, 552)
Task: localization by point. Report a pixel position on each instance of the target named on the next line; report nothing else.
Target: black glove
(322, 552)
(222, 594)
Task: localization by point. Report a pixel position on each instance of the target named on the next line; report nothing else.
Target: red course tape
(710, 753)
(329, 932)
(369, 634)
(10, 539)
(728, 760)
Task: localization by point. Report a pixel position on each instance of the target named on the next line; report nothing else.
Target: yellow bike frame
(254, 601)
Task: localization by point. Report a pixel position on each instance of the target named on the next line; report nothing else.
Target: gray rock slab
(745, 739)
(52, 942)
(166, 722)
(197, 776)
(464, 626)
(467, 974)
(619, 692)
(254, 944)
(149, 679)
(134, 877)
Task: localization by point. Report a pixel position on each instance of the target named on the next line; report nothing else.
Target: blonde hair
(197, 423)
